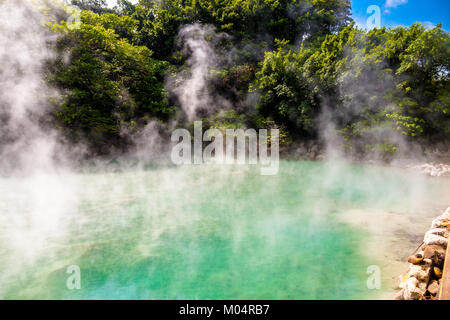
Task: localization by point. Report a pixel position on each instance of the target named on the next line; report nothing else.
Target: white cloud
(394, 3)
(428, 24)
(112, 3)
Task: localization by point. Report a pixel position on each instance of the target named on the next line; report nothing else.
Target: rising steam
(36, 198)
(192, 86)
(24, 48)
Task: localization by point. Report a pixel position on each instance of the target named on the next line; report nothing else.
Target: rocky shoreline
(433, 169)
(432, 163)
(424, 276)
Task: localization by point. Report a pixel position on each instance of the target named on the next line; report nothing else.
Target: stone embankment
(424, 276)
(304, 150)
(434, 169)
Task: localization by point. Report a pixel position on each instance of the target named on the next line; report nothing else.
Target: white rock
(423, 287)
(438, 231)
(433, 239)
(410, 287)
(420, 272)
(437, 223)
(412, 290)
(400, 295)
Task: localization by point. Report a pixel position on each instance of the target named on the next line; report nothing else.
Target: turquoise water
(206, 232)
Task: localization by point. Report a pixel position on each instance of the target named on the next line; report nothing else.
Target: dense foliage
(395, 78)
(110, 85)
(289, 63)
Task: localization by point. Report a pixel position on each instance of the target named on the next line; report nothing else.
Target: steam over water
(206, 232)
(192, 232)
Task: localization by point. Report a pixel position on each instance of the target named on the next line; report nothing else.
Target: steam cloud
(192, 85)
(365, 94)
(36, 197)
(43, 202)
(24, 49)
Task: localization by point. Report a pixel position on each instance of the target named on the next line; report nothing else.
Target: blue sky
(404, 12)
(398, 12)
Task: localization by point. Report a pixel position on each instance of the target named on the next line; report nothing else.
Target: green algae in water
(213, 233)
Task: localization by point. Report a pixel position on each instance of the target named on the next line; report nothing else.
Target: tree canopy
(296, 58)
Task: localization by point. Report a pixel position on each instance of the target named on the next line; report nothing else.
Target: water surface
(205, 232)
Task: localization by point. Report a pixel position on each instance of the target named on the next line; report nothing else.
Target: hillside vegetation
(297, 65)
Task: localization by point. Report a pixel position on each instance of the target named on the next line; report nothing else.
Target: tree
(110, 86)
(245, 20)
(285, 91)
(97, 6)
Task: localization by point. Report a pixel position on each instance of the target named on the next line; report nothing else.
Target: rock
(439, 221)
(433, 287)
(420, 271)
(412, 290)
(434, 170)
(320, 157)
(415, 259)
(424, 275)
(437, 272)
(438, 231)
(435, 253)
(301, 151)
(423, 286)
(410, 286)
(433, 239)
(400, 295)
